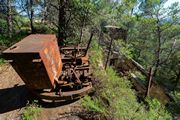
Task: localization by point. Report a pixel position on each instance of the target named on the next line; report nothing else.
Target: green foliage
(43, 29)
(3, 26)
(142, 44)
(143, 41)
(114, 97)
(93, 105)
(122, 100)
(31, 112)
(174, 107)
(144, 38)
(97, 55)
(140, 76)
(2, 61)
(124, 48)
(176, 95)
(157, 111)
(22, 21)
(6, 41)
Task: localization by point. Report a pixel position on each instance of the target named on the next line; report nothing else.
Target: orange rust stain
(46, 50)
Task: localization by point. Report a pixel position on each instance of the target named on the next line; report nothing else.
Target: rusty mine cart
(52, 73)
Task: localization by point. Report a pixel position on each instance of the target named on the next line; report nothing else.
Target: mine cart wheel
(47, 96)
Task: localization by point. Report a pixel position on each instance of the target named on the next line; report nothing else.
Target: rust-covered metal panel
(37, 60)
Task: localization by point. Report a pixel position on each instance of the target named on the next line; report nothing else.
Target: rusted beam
(89, 43)
(71, 95)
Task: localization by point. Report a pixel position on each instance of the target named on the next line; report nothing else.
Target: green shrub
(93, 105)
(124, 49)
(3, 26)
(174, 107)
(43, 29)
(2, 61)
(157, 111)
(6, 41)
(31, 112)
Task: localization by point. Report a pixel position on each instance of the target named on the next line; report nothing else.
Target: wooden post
(89, 43)
(32, 17)
(107, 60)
(99, 41)
(149, 81)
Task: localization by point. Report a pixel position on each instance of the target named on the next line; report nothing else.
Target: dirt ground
(14, 97)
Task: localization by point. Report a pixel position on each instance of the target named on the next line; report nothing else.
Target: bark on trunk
(45, 12)
(109, 52)
(9, 18)
(158, 52)
(31, 16)
(61, 23)
(150, 76)
(81, 33)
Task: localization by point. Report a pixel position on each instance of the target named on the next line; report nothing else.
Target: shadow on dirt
(13, 98)
(17, 97)
(55, 104)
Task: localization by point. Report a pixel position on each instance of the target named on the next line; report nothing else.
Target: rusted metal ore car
(52, 73)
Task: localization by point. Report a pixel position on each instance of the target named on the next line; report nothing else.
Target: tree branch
(170, 52)
(56, 7)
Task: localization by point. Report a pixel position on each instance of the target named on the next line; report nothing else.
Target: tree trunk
(45, 11)
(61, 23)
(109, 52)
(9, 18)
(150, 76)
(81, 33)
(31, 16)
(158, 49)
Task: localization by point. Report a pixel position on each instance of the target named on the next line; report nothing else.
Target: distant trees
(155, 35)
(157, 11)
(29, 8)
(64, 17)
(13, 8)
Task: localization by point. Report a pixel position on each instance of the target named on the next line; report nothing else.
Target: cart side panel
(31, 70)
(37, 60)
(52, 60)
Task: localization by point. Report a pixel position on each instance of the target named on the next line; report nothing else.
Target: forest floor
(14, 97)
